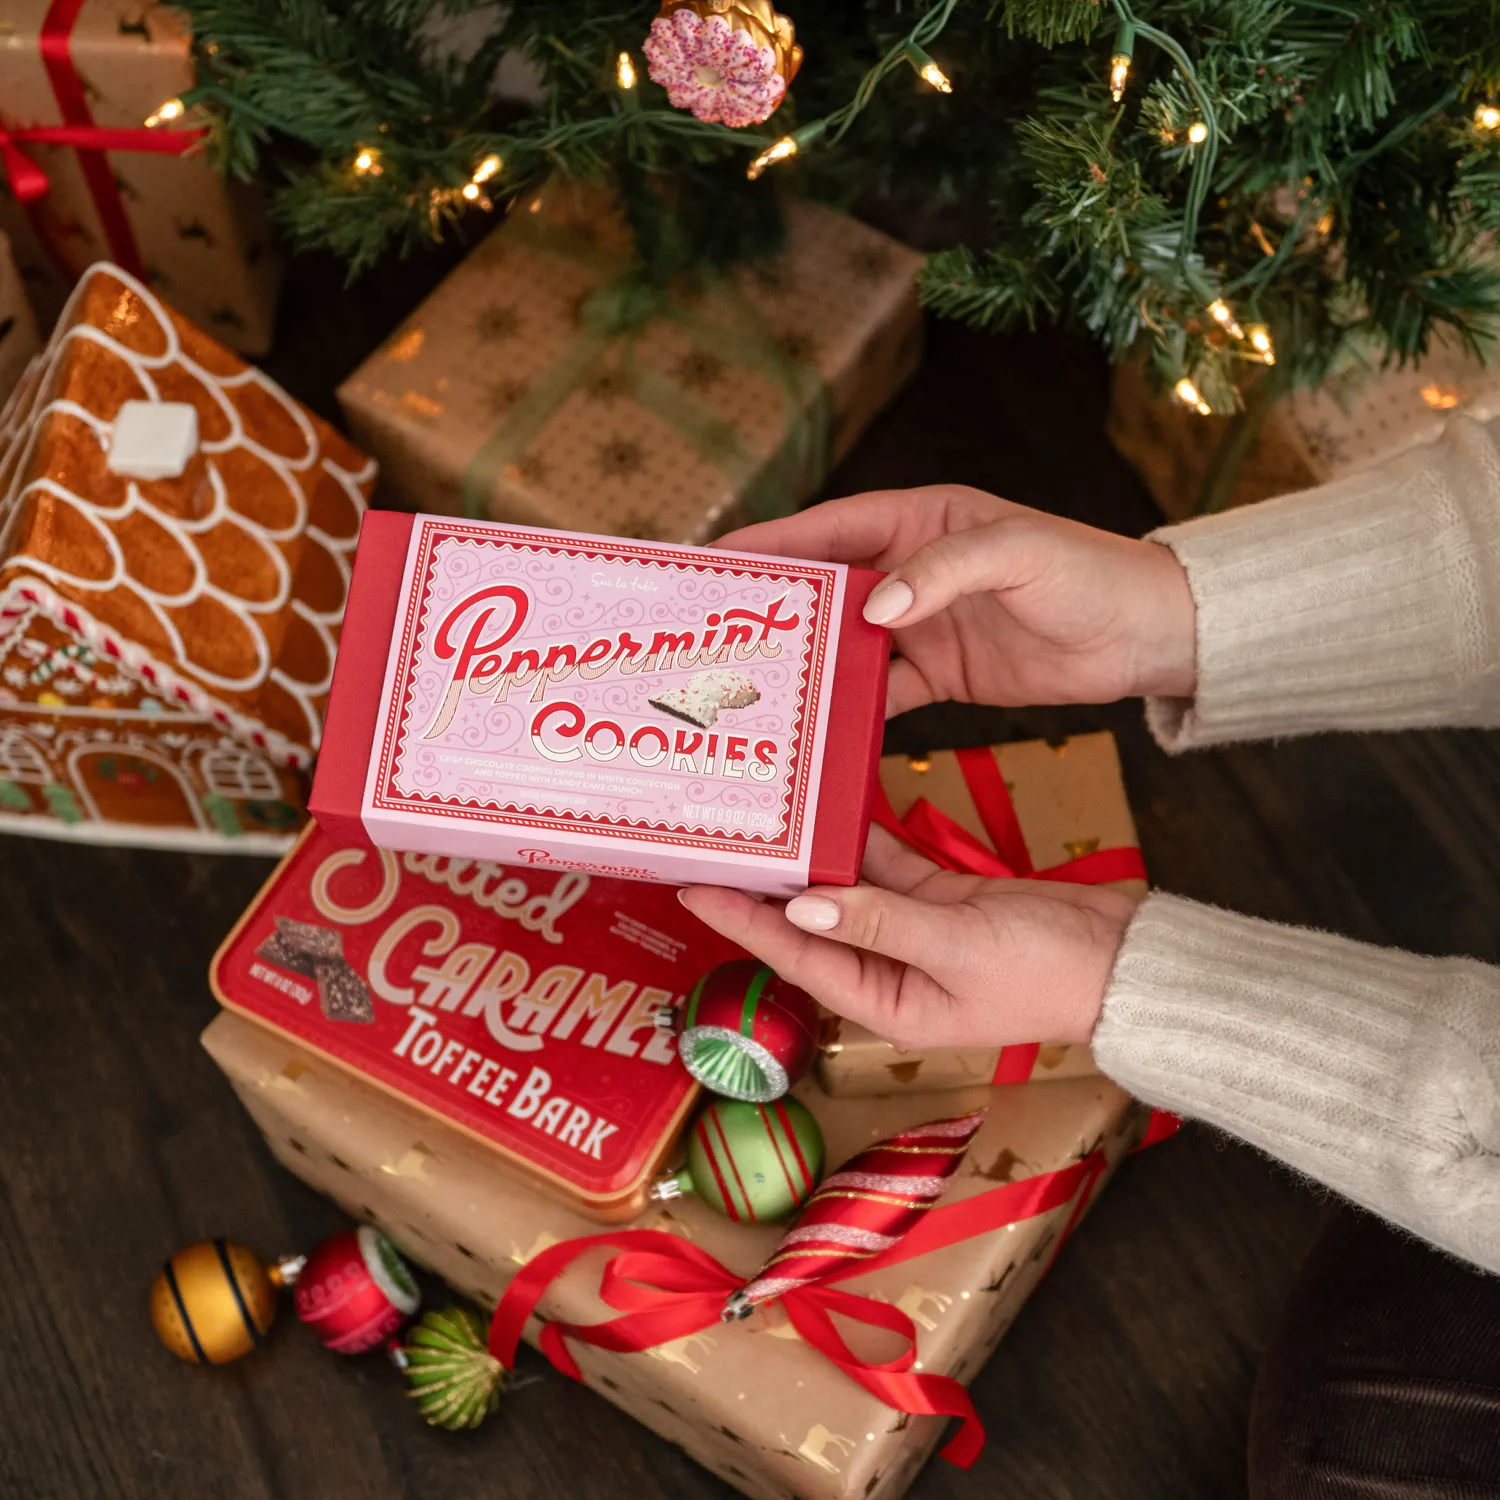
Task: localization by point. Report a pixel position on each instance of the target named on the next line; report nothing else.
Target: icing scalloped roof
(224, 587)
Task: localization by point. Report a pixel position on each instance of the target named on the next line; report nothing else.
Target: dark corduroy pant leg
(1382, 1377)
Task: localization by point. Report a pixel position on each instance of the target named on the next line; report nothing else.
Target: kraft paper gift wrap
(750, 1401)
(18, 331)
(1362, 415)
(1070, 801)
(172, 221)
(544, 384)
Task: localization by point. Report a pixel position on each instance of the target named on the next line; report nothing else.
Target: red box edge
(359, 674)
(846, 800)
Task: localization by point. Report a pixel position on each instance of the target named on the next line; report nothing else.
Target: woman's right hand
(992, 602)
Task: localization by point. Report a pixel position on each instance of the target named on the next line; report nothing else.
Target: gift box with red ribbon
(83, 177)
(829, 1392)
(1034, 809)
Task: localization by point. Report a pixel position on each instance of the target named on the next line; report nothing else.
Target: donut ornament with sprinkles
(725, 61)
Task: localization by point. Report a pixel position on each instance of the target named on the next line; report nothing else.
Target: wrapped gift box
(544, 384)
(752, 1402)
(1359, 417)
(18, 335)
(1069, 805)
(172, 579)
(169, 220)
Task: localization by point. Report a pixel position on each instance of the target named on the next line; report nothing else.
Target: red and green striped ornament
(746, 1033)
(750, 1162)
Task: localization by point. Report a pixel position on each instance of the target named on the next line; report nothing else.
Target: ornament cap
(668, 1189)
(285, 1270)
(737, 1309)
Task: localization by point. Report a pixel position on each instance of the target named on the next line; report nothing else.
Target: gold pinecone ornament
(450, 1372)
(726, 61)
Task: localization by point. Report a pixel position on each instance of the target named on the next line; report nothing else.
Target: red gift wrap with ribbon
(29, 183)
(84, 178)
(665, 1288)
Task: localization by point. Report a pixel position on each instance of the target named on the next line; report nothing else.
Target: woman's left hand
(925, 957)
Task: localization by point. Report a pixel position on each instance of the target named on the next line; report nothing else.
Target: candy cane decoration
(864, 1208)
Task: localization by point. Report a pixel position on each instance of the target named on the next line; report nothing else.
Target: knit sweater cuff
(1374, 1071)
(1369, 603)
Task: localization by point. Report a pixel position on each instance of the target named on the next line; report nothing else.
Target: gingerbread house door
(130, 784)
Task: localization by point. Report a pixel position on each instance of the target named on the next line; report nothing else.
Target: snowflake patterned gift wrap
(544, 384)
(1361, 416)
(764, 1410)
(176, 535)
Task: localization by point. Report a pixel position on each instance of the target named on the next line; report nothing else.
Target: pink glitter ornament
(731, 65)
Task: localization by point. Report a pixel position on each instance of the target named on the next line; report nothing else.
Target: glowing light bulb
(625, 72)
(367, 162)
(1441, 397)
(1119, 72)
(173, 109)
(780, 151)
(470, 191)
(1487, 117)
(1197, 132)
(1188, 394)
(934, 75)
(1219, 311)
(1260, 341)
(487, 168)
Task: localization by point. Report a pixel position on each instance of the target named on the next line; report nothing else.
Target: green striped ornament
(750, 1162)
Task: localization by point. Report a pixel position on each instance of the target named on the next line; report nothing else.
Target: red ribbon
(665, 1288)
(29, 182)
(945, 842)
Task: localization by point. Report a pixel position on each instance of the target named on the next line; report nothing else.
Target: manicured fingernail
(813, 913)
(682, 893)
(888, 602)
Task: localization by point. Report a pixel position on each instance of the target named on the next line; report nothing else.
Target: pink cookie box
(624, 708)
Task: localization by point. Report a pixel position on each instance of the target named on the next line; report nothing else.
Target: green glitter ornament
(450, 1372)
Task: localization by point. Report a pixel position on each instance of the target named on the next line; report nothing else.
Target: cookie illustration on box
(342, 993)
(704, 696)
(318, 952)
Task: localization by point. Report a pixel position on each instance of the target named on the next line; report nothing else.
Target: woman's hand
(925, 957)
(992, 602)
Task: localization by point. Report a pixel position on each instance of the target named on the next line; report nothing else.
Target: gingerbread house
(176, 534)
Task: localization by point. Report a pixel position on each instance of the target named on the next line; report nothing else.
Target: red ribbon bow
(27, 180)
(932, 832)
(666, 1288)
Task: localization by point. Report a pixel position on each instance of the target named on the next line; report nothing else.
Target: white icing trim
(167, 684)
(139, 752)
(21, 429)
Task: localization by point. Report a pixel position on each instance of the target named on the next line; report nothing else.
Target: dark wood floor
(1127, 1378)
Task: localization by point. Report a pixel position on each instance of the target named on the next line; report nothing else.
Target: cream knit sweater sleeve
(1370, 603)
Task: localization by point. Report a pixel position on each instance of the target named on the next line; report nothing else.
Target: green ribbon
(618, 309)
